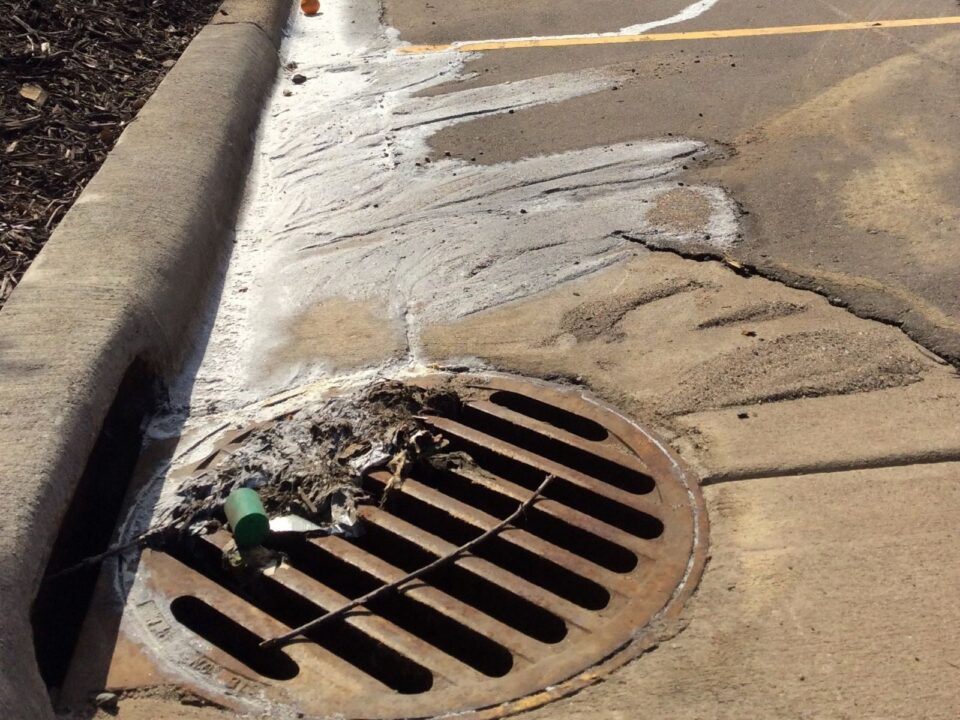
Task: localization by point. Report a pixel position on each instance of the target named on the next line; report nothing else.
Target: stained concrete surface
(746, 376)
(829, 444)
(354, 209)
(840, 145)
(826, 596)
(436, 21)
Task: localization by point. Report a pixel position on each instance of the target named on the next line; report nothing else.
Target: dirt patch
(753, 313)
(600, 319)
(150, 703)
(808, 364)
(73, 73)
(346, 334)
(681, 211)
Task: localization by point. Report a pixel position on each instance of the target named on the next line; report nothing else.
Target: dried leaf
(34, 93)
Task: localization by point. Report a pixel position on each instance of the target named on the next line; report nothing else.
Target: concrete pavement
(827, 596)
(828, 593)
(829, 443)
(839, 145)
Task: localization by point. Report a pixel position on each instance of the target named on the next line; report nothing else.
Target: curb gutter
(123, 278)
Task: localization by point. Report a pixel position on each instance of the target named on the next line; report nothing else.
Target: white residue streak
(690, 12)
(342, 202)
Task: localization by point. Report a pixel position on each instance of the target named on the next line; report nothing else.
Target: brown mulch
(93, 63)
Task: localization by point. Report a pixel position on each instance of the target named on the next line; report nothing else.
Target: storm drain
(536, 611)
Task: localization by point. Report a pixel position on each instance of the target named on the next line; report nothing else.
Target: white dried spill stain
(691, 11)
(337, 206)
(342, 203)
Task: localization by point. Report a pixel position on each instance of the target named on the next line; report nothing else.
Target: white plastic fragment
(292, 523)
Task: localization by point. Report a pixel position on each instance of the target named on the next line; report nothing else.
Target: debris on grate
(310, 464)
(582, 531)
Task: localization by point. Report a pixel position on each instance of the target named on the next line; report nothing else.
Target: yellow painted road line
(571, 40)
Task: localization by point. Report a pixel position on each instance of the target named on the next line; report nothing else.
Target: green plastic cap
(246, 516)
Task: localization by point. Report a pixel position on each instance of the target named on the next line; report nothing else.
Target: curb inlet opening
(88, 525)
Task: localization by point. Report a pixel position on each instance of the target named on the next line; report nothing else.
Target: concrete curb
(121, 279)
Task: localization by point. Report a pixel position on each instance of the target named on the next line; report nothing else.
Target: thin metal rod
(383, 589)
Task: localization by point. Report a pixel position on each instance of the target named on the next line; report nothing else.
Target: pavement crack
(273, 43)
(791, 278)
(880, 463)
(626, 182)
(753, 313)
(455, 116)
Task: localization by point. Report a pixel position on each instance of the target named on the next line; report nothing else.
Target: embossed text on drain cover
(537, 610)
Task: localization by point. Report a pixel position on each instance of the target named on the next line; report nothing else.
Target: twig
(372, 595)
(117, 549)
(22, 24)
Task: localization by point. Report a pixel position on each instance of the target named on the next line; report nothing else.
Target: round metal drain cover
(537, 611)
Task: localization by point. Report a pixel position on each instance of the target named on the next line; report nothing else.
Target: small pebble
(106, 700)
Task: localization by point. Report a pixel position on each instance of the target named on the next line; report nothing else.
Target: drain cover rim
(622, 649)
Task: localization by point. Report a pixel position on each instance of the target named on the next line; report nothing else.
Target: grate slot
(584, 494)
(423, 591)
(382, 630)
(233, 638)
(517, 537)
(368, 655)
(571, 613)
(538, 521)
(177, 579)
(569, 516)
(457, 640)
(490, 598)
(459, 433)
(378, 628)
(609, 451)
(520, 561)
(588, 462)
(551, 414)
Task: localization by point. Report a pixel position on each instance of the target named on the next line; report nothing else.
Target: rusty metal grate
(535, 612)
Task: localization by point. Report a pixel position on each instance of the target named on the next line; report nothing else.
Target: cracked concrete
(356, 210)
(661, 354)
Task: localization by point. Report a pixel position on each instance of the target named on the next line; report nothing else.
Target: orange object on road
(310, 7)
